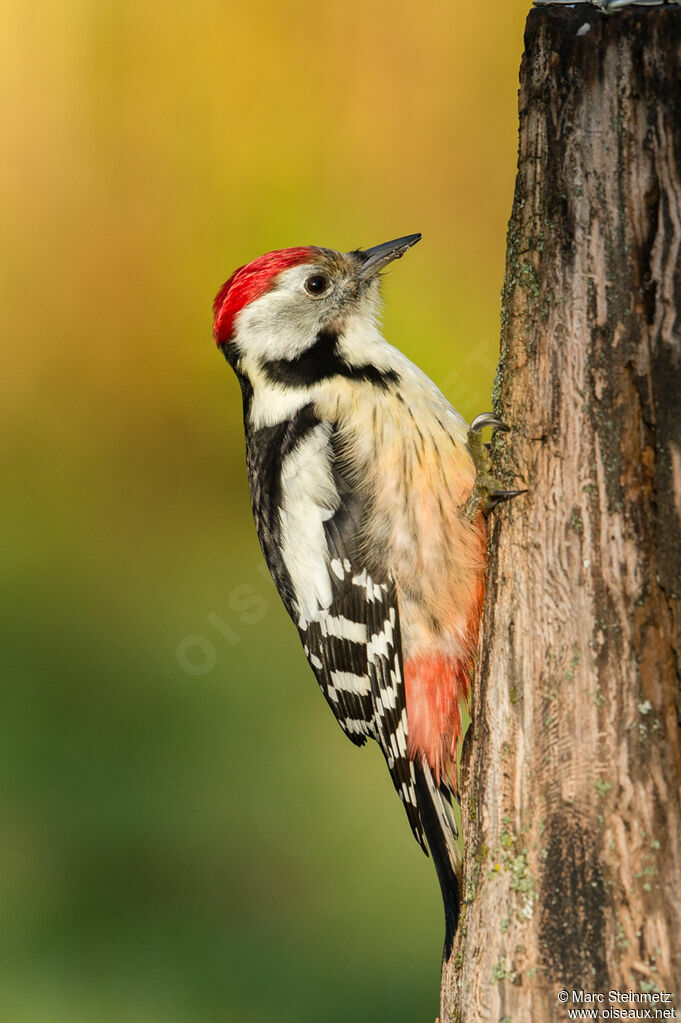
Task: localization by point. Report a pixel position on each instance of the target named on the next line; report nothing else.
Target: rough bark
(571, 771)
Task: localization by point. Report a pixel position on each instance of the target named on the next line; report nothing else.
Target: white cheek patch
(282, 323)
(309, 499)
(361, 342)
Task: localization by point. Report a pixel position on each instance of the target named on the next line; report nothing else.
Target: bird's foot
(487, 491)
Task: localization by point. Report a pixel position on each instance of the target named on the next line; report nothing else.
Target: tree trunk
(571, 771)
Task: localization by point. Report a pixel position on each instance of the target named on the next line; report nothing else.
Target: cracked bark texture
(571, 770)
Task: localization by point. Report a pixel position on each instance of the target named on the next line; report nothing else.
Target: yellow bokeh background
(187, 835)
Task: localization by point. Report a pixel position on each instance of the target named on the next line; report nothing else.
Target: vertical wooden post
(572, 768)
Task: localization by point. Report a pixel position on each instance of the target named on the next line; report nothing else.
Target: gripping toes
(487, 491)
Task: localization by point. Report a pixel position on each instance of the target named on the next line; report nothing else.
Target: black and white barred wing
(354, 648)
(348, 621)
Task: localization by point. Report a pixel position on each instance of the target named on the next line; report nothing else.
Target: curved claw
(487, 419)
(495, 497)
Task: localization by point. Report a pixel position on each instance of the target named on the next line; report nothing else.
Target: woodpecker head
(292, 315)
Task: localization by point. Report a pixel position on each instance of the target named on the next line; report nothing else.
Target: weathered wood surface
(572, 770)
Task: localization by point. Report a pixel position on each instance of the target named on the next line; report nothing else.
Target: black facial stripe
(246, 394)
(230, 352)
(321, 362)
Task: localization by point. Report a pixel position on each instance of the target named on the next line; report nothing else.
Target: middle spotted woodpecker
(369, 494)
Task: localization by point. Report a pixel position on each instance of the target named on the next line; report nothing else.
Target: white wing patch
(309, 498)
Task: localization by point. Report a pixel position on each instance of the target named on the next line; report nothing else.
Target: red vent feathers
(250, 282)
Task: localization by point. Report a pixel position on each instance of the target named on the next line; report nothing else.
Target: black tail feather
(441, 832)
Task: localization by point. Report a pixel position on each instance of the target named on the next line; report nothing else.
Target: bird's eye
(317, 284)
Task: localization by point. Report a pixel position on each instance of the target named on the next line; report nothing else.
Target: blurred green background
(186, 833)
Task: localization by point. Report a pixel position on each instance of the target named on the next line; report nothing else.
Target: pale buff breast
(416, 472)
(436, 555)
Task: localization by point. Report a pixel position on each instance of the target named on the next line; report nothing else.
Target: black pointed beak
(375, 259)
